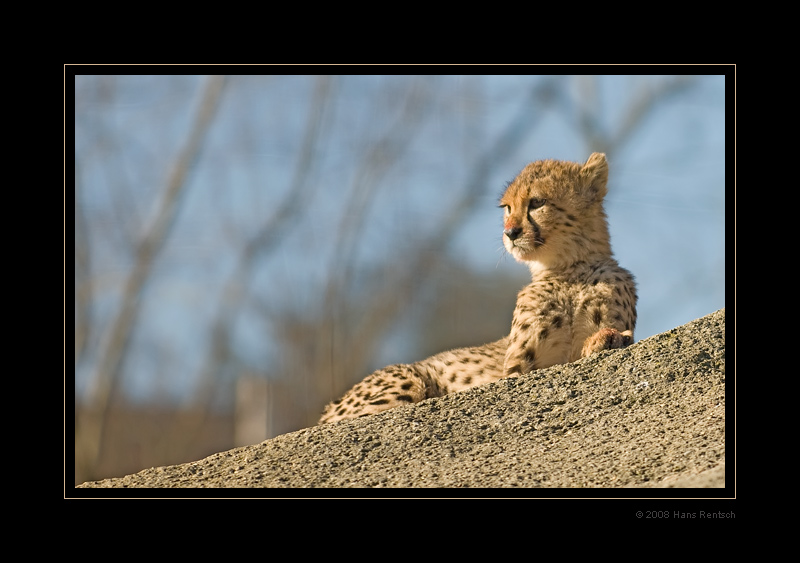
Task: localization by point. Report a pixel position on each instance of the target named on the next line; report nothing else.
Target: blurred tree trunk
(220, 356)
(90, 431)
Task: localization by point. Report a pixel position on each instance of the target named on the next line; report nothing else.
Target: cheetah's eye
(506, 208)
(536, 203)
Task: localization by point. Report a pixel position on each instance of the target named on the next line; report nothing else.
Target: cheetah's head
(553, 211)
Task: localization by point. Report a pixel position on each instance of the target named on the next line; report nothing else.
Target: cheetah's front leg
(606, 339)
(519, 358)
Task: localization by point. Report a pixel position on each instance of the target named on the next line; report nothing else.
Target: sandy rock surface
(651, 415)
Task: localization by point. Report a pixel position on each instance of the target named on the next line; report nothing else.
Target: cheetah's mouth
(524, 249)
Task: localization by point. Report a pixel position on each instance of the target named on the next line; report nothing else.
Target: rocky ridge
(651, 415)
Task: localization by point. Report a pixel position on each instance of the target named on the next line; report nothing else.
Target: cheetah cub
(579, 301)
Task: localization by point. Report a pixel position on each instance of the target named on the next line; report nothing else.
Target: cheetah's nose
(513, 233)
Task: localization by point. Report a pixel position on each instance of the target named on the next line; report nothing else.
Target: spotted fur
(580, 301)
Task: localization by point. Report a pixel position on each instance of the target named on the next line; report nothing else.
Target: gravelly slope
(651, 415)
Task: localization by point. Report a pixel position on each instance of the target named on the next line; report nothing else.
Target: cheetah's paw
(606, 339)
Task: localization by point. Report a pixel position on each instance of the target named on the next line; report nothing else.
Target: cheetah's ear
(595, 175)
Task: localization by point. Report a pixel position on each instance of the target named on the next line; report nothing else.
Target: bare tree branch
(265, 239)
(300, 189)
(647, 98)
(106, 374)
(379, 159)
